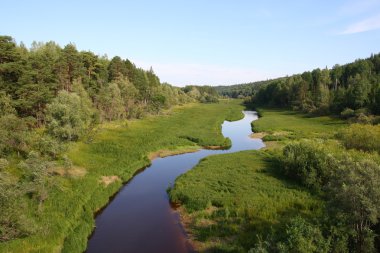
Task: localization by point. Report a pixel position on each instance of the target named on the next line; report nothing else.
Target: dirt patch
(107, 180)
(258, 135)
(272, 145)
(167, 152)
(214, 147)
(189, 221)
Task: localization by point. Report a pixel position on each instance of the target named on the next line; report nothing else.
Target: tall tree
(70, 67)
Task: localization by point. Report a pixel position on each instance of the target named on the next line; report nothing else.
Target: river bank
(66, 219)
(230, 202)
(141, 211)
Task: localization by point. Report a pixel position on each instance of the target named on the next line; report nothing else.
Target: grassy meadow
(280, 124)
(227, 199)
(109, 158)
(231, 202)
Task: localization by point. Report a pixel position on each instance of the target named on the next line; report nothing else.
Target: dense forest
(349, 90)
(50, 96)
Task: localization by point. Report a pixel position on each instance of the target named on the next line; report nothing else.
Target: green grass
(295, 125)
(118, 149)
(232, 200)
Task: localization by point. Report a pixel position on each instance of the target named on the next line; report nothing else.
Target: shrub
(307, 162)
(303, 237)
(67, 117)
(347, 113)
(362, 137)
(363, 119)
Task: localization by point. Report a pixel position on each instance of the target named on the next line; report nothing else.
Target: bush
(67, 117)
(362, 137)
(307, 162)
(49, 146)
(362, 119)
(303, 237)
(347, 113)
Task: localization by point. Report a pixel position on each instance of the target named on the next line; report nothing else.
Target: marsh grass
(116, 150)
(250, 198)
(296, 125)
(247, 197)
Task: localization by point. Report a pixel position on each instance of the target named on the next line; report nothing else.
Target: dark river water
(140, 218)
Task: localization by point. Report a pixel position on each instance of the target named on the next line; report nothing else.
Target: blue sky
(205, 41)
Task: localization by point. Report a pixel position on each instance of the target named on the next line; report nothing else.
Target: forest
(240, 90)
(51, 96)
(349, 90)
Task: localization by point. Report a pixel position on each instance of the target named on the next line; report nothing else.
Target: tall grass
(233, 201)
(67, 216)
(239, 196)
(296, 125)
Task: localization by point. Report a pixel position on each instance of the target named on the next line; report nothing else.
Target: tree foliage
(321, 91)
(67, 116)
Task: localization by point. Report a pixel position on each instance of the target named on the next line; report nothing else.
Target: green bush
(309, 162)
(303, 237)
(67, 117)
(362, 137)
(347, 113)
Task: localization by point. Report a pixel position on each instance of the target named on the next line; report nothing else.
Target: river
(140, 219)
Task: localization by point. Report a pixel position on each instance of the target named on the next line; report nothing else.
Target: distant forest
(346, 89)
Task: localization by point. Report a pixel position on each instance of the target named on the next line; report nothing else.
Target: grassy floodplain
(230, 202)
(280, 124)
(111, 157)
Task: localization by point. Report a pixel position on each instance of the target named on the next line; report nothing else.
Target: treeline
(346, 89)
(204, 94)
(240, 90)
(53, 86)
(34, 77)
(50, 96)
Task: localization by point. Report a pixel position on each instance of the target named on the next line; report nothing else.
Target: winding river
(140, 218)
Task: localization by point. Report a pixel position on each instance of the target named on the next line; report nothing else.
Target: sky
(205, 42)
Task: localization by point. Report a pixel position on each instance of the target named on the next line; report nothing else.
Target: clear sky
(205, 41)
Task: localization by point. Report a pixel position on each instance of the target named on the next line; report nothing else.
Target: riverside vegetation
(74, 126)
(64, 220)
(314, 188)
